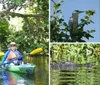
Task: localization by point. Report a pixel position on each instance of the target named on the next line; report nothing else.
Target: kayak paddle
(36, 51)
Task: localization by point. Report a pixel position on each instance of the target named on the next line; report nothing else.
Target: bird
(73, 24)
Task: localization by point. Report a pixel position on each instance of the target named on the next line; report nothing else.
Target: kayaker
(12, 55)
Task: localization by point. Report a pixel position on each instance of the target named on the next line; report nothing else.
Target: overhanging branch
(13, 14)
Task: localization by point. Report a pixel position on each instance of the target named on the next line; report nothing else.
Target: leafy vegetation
(1, 55)
(76, 53)
(33, 15)
(60, 30)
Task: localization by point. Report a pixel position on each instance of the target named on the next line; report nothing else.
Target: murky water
(79, 76)
(40, 76)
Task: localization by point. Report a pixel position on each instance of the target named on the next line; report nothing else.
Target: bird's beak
(81, 11)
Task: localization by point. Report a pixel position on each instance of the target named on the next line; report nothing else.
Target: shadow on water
(79, 76)
(40, 77)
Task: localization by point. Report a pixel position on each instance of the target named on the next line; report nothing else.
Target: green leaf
(90, 31)
(65, 24)
(58, 11)
(82, 40)
(90, 12)
(60, 20)
(18, 2)
(87, 17)
(87, 35)
(91, 21)
(58, 4)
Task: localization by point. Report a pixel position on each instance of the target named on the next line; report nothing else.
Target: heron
(73, 24)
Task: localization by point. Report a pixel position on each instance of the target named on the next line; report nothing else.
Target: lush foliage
(60, 30)
(4, 32)
(76, 53)
(34, 31)
(1, 55)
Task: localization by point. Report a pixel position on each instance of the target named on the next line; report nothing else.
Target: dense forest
(31, 31)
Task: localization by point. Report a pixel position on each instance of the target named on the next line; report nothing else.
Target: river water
(77, 76)
(40, 77)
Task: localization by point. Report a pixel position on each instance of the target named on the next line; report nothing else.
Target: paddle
(33, 52)
(36, 51)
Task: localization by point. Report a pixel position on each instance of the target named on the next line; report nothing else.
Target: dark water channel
(40, 77)
(79, 76)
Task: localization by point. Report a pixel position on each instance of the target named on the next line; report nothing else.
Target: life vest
(12, 55)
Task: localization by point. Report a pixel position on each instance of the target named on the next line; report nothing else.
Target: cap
(12, 43)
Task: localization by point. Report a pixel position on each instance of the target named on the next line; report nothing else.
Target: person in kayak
(12, 55)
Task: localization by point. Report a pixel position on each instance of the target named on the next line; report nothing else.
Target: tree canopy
(60, 30)
(34, 31)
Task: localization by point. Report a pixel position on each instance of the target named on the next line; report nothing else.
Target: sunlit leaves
(58, 4)
(90, 12)
(76, 53)
(18, 2)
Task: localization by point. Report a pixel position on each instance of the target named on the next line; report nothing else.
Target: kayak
(23, 68)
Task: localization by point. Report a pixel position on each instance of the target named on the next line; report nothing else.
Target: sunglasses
(12, 45)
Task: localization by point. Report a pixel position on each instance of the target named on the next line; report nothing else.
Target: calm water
(78, 76)
(39, 78)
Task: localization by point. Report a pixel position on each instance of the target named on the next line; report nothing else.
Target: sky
(68, 6)
(15, 22)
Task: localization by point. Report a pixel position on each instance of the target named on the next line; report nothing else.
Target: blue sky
(68, 6)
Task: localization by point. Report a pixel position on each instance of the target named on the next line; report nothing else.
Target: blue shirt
(7, 53)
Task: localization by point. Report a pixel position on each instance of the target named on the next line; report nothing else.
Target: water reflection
(41, 70)
(40, 77)
(11, 78)
(79, 76)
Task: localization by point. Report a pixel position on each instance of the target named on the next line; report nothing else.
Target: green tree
(60, 30)
(34, 32)
(4, 32)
